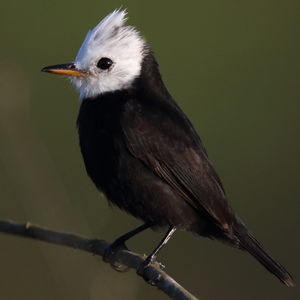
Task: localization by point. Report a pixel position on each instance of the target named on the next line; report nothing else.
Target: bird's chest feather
(101, 141)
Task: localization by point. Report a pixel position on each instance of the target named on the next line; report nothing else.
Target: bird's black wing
(164, 140)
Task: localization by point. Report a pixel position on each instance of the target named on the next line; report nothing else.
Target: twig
(122, 259)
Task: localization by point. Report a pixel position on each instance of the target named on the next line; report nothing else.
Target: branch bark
(123, 259)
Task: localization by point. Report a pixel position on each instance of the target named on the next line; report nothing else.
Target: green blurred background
(233, 66)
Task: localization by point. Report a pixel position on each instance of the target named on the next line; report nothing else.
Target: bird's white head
(109, 59)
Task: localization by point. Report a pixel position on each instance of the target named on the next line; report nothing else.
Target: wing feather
(168, 145)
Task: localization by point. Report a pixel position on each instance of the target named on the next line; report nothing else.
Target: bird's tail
(249, 243)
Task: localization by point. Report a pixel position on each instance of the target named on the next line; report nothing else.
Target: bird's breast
(100, 140)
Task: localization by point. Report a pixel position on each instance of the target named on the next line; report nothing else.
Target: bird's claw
(110, 256)
(161, 265)
(144, 269)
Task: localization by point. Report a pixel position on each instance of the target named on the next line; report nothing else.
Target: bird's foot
(144, 269)
(110, 256)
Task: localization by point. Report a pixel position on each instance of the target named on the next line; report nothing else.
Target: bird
(142, 151)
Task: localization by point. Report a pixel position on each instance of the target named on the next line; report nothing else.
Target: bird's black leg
(119, 243)
(123, 238)
(151, 258)
(162, 243)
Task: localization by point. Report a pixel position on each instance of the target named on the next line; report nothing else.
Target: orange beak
(64, 69)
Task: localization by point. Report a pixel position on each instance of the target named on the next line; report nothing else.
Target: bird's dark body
(141, 150)
(126, 180)
(117, 131)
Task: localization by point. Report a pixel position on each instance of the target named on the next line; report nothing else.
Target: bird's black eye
(104, 63)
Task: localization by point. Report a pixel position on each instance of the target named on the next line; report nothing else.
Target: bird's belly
(130, 185)
(100, 157)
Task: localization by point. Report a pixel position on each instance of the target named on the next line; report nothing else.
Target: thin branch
(122, 259)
